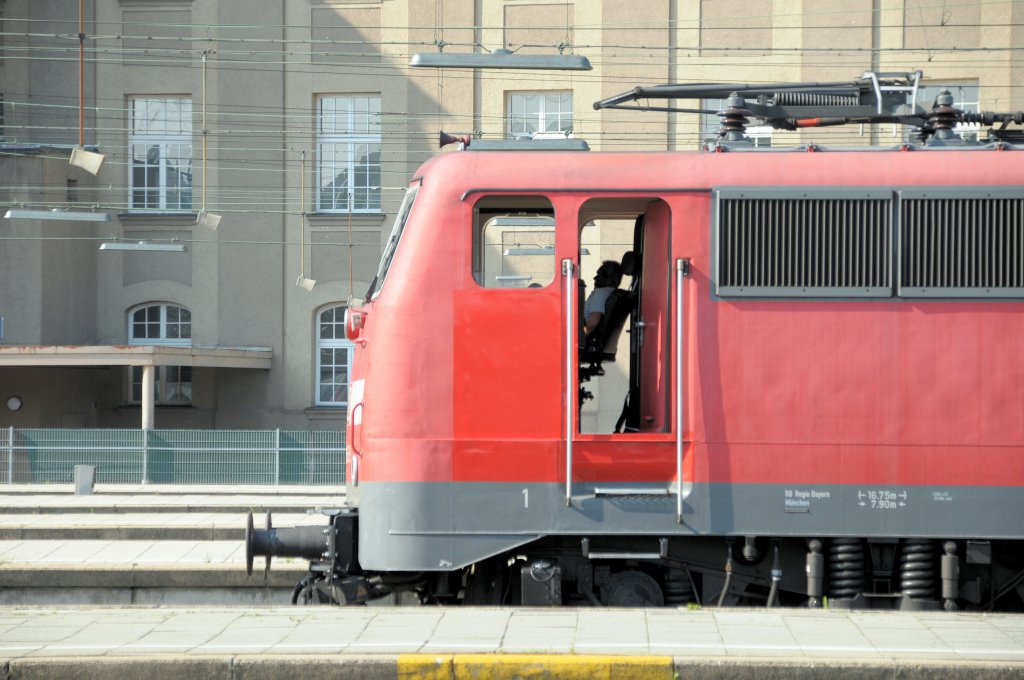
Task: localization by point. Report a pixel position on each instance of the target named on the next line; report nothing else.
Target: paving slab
(370, 642)
(95, 555)
(243, 643)
(142, 525)
(113, 499)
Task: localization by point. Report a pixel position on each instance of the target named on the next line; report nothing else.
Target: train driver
(606, 280)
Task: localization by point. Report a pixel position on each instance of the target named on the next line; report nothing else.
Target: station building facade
(298, 124)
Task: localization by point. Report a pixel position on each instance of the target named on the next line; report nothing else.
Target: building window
(539, 113)
(348, 154)
(162, 324)
(759, 135)
(160, 176)
(333, 358)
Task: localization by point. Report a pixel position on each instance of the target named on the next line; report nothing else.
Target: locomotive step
(632, 491)
(661, 553)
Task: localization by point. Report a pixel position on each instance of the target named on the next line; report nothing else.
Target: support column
(148, 376)
(10, 455)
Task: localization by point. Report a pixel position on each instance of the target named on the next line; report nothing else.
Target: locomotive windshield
(392, 246)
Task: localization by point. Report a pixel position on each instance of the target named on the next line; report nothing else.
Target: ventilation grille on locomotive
(803, 246)
(961, 247)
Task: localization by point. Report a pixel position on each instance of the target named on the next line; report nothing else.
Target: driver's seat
(601, 343)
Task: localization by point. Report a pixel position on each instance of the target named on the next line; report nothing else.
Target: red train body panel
(797, 413)
(462, 369)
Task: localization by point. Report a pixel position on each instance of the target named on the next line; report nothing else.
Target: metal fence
(46, 456)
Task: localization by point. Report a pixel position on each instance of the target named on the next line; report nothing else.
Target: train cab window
(514, 242)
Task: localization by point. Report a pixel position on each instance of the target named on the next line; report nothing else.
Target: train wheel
(632, 589)
(485, 584)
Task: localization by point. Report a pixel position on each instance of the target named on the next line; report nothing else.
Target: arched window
(162, 324)
(333, 358)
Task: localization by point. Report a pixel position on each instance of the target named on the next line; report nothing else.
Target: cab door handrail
(568, 276)
(682, 272)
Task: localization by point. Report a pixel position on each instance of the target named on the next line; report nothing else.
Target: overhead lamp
(522, 221)
(55, 214)
(541, 250)
(302, 281)
(144, 246)
(207, 219)
(90, 161)
(513, 279)
(537, 250)
(501, 59)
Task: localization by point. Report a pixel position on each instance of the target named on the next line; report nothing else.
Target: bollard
(85, 477)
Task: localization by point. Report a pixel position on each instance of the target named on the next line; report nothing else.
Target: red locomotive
(821, 378)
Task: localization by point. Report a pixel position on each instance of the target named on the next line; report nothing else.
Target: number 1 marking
(526, 498)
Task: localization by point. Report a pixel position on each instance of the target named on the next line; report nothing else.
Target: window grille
(942, 242)
(779, 243)
(962, 245)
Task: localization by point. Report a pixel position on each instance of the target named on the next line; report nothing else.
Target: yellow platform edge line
(514, 666)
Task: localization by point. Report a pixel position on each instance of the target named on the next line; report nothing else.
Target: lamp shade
(501, 59)
(144, 246)
(67, 215)
(90, 161)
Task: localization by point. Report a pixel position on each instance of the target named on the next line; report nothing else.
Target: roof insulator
(734, 118)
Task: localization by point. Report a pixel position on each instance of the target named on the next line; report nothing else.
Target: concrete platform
(146, 544)
(370, 643)
(180, 526)
(156, 553)
(24, 499)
